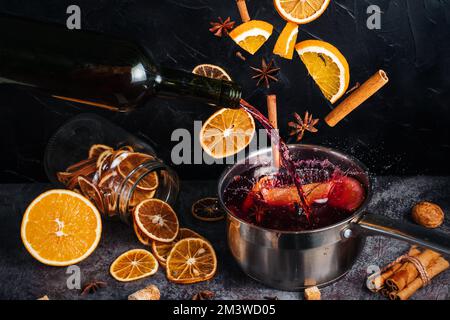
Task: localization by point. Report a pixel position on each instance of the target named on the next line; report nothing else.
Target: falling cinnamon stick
(272, 112)
(354, 100)
(243, 11)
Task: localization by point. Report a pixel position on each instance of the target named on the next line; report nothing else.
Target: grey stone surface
(21, 277)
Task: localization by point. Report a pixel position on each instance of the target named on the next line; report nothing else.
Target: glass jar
(109, 166)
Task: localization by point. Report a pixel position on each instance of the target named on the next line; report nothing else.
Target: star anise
(301, 125)
(93, 287)
(266, 73)
(203, 295)
(221, 27)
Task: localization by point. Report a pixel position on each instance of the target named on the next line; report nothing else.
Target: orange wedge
(191, 260)
(227, 132)
(301, 11)
(133, 265)
(251, 35)
(211, 71)
(284, 47)
(61, 228)
(161, 250)
(157, 220)
(327, 66)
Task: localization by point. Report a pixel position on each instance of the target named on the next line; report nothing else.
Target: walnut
(428, 214)
(312, 293)
(149, 293)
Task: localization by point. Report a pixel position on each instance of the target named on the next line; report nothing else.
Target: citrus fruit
(97, 149)
(90, 191)
(191, 260)
(251, 35)
(157, 220)
(227, 132)
(133, 265)
(284, 47)
(141, 236)
(211, 71)
(208, 209)
(301, 11)
(127, 162)
(140, 195)
(61, 228)
(327, 66)
(161, 250)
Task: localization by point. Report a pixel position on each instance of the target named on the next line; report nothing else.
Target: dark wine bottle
(97, 69)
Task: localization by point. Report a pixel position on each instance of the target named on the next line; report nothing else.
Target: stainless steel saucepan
(295, 260)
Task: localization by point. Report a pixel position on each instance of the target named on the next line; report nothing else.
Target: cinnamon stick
(436, 267)
(243, 11)
(272, 112)
(360, 95)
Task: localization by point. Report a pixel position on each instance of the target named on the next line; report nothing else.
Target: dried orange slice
(191, 260)
(129, 162)
(284, 47)
(211, 71)
(251, 35)
(208, 209)
(140, 195)
(141, 236)
(301, 11)
(161, 250)
(227, 132)
(97, 149)
(327, 66)
(133, 265)
(61, 228)
(90, 191)
(157, 220)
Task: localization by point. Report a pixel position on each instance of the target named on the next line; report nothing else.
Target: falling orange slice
(301, 11)
(133, 265)
(285, 44)
(211, 71)
(251, 35)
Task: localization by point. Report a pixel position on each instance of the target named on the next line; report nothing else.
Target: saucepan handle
(373, 224)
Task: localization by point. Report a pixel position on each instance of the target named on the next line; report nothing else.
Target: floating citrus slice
(227, 132)
(161, 250)
(133, 265)
(301, 11)
(327, 66)
(61, 228)
(191, 260)
(157, 220)
(251, 35)
(208, 209)
(211, 71)
(284, 47)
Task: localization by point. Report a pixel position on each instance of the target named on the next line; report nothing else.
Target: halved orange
(191, 260)
(301, 11)
(327, 66)
(157, 220)
(211, 71)
(227, 132)
(161, 250)
(133, 265)
(251, 35)
(61, 228)
(284, 47)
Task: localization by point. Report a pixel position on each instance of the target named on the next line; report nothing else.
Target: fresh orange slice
(211, 71)
(284, 47)
(227, 132)
(127, 162)
(191, 260)
(97, 149)
(327, 66)
(301, 11)
(157, 220)
(61, 228)
(208, 209)
(161, 250)
(251, 35)
(133, 265)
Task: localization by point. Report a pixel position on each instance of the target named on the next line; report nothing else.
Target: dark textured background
(402, 130)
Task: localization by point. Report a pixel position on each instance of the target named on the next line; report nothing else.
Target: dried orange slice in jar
(285, 45)
(161, 250)
(157, 220)
(191, 260)
(127, 162)
(301, 11)
(97, 149)
(211, 71)
(133, 265)
(227, 132)
(90, 191)
(61, 228)
(208, 209)
(252, 35)
(327, 66)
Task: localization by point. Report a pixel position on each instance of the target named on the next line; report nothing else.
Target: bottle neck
(182, 84)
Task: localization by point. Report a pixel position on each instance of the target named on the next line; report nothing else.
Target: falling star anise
(93, 287)
(299, 126)
(266, 73)
(220, 28)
